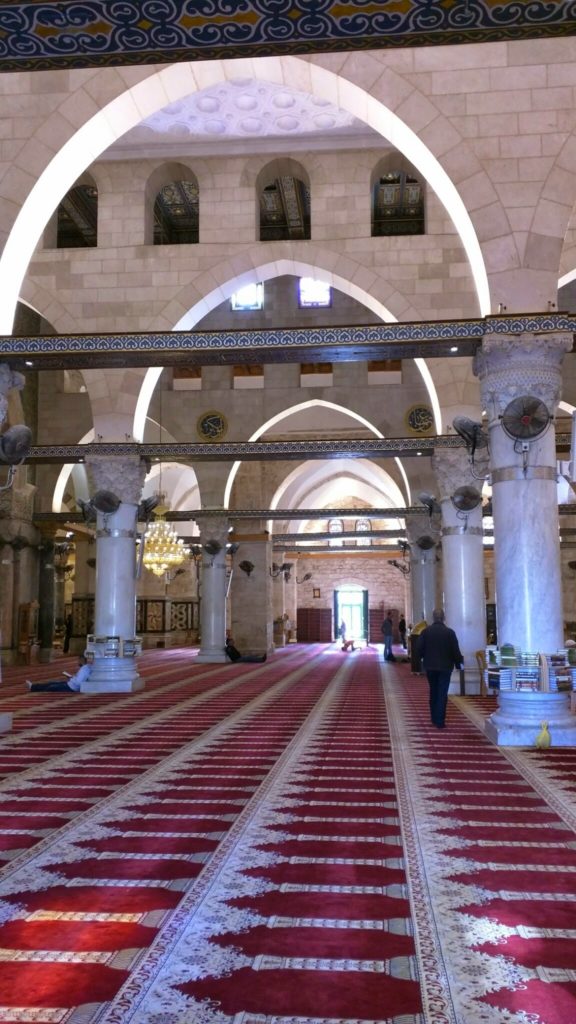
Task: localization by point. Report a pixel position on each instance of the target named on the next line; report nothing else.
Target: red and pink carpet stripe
(287, 843)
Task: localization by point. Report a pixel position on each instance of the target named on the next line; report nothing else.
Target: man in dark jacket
(440, 653)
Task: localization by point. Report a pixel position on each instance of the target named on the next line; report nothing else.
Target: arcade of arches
(424, 184)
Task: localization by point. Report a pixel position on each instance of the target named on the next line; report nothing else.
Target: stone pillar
(422, 536)
(463, 557)
(214, 537)
(251, 605)
(83, 597)
(8, 611)
(524, 493)
(61, 552)
(46, 599)
(115, 607)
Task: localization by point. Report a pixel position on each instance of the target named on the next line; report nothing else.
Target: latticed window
(177, 214)
(335, 526)
(285, 210)
(250, 297)
(398, 205)
(363, 526)
(313, 293)
(77, 218)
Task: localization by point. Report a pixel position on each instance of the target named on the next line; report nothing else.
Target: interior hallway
(279, 843)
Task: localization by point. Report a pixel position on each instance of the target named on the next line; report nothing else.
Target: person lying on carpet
(71, 684)
(233, 653)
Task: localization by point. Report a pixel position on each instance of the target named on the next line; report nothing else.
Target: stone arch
(291, 411)
(131, 105)
(313, 483)
(352, 285)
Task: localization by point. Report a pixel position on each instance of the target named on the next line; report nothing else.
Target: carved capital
(213, 527)
(18, 502)
(421, 526)
(123, 476)
(529, 364)
(452, 470)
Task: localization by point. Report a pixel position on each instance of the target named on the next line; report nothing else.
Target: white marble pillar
(115, 599)
(213, 534)
(462, 557)
(524, 490)
(422, 536)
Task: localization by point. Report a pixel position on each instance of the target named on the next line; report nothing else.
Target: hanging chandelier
(163, 548)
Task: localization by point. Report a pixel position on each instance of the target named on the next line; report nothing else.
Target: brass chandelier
(163, 548)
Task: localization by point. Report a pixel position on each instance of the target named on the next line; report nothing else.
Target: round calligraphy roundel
(420, 419)
(212, 426)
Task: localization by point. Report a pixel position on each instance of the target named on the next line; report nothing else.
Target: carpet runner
(288, 843)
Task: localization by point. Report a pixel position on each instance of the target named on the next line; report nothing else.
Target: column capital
(527, 364)
(418, 527)
(213, 526)
(452, 470)
(124, 476)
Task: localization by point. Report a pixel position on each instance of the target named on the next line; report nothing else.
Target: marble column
(463, 557)
(524, 491)
(115, 604)
(46, 599)
(422, 536)
(213, 539)
(83, 596)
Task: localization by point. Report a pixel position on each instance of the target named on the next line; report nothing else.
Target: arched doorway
(351, 607)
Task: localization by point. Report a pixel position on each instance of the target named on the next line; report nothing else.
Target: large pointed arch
(299, 407)
(264, 272)
(175, 82)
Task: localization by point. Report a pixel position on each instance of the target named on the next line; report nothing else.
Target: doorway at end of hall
(351, 607)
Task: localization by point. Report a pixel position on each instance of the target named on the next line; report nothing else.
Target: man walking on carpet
(440, 653)
(387, 630)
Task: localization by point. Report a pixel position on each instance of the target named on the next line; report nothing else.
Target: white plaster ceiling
(239, 111)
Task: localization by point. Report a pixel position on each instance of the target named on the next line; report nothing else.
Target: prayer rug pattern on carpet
(282, 844)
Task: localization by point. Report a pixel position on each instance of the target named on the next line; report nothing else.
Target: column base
(113, 675)
(5, 722)
(211, 656)
(518, 720)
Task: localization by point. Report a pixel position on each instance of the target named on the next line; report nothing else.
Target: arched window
(397, 204)
(177, 214)
(77, 218)
(335, 526)
(284, 209)
(363, 526)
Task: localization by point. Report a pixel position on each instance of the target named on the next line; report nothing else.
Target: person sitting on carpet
(233, 653)
(70, 685)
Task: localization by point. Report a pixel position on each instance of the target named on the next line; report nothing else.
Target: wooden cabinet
(314, 625)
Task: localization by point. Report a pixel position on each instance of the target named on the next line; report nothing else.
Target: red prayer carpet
(287, 843)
